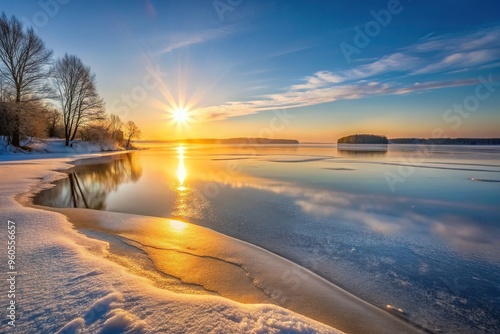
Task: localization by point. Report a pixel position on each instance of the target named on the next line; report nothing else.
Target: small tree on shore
(77, 93)
(132, 131)
(114, 126)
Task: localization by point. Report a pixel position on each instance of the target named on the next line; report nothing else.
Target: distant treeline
(363, 139)
(250, 141)
(447, 141)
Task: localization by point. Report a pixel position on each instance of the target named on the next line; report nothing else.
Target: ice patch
(295, 160)
(340, 168)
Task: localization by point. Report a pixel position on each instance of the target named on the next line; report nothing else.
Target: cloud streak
(430, 56)
(448, 52)
(295, 99)
(397, 62)
(179, 41)
(462, 60)
(481, 39)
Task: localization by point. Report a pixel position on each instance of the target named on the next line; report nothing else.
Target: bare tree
(77, 94)
(114, 126)
(131, 131)
(23, 65)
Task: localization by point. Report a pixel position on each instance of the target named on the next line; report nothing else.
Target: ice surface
(430, 247)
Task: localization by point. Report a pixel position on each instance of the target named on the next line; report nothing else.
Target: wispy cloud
(426, 36)
(431, 55)
(289, 51)
(295, 98)
(150, 8)
(432, 85)
(462, 60)
(480, 39)
(397, 62)
(255, 72)
(178, 41)
(466, 51)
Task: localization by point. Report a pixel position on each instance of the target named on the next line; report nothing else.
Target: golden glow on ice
(181, 169)
(177, 226)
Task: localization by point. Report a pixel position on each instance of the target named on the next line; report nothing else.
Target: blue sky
(399, 68)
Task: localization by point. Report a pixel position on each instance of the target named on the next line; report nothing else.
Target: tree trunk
(16, 137)
(66, 135)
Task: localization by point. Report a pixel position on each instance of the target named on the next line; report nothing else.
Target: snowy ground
(52, 148)
(64, 284)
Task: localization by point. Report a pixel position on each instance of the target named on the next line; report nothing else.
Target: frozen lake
(410, 226)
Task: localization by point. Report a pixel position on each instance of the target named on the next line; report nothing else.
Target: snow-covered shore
(54, 148)
(66, 284)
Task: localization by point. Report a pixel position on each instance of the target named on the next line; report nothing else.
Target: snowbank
(53, 148)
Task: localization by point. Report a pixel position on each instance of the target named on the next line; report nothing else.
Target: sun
(180, 115)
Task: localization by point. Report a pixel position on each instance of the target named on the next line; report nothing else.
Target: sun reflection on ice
(181, 169)
(189, 201)
(177, 226)
(182, 190)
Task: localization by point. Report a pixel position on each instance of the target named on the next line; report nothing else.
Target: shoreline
(261, 266)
